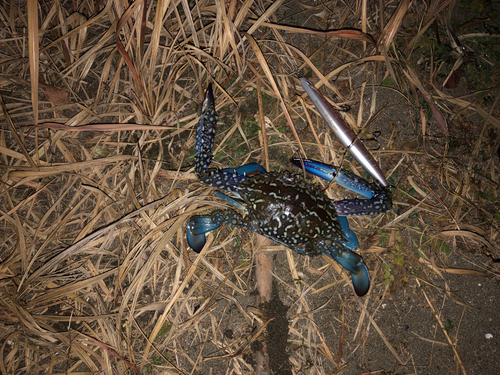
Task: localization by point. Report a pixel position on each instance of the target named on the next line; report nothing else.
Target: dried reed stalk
(96, 187)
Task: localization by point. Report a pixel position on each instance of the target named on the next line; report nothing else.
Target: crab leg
(200, 225)
(225, 179)
(354, 264)
(343, 132)
(205, 134)
(351, 243)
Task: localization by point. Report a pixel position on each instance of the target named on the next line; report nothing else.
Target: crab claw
(205, 134)
(341, 176)
(354, 264)
(196, 230)
(379, 197)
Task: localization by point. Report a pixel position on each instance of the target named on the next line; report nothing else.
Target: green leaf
(164, 330)
(486, 196)
(100, 152)
(399, 260)
(388, 82)
(443, 247)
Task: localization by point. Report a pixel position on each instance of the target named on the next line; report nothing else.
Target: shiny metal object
(344, 134)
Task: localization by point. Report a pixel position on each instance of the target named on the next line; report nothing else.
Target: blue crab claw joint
(351, 242)
(359, 273)
(230, 178)
(196, 229)
(247, 169)
(201, 225)
(343, 132)
(206, 133)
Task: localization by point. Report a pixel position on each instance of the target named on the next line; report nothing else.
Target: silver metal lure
(344, 134)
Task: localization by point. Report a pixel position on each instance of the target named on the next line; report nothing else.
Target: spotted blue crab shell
(290, 210)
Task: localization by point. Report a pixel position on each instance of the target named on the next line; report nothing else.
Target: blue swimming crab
(286, 207)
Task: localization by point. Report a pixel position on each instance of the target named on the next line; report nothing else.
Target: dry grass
(99, 110)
